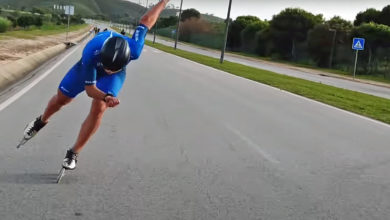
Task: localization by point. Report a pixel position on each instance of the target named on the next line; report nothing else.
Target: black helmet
(115, 53)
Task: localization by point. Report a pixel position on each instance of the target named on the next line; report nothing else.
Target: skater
(101, 73)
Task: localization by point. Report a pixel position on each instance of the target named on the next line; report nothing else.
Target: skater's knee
(98, 108)
(61, 99)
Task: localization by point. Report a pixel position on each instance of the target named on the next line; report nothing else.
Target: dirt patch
(12, 49)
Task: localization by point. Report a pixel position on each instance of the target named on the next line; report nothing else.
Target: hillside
(111, 8)
(114, 9)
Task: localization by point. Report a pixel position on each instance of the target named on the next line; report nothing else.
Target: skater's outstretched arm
(150, 18)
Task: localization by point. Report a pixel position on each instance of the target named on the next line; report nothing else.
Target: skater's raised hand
(150, 18)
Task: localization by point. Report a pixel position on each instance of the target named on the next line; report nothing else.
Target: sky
(265, 9)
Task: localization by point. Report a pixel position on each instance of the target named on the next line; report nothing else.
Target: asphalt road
(191, 142)
(288, 70)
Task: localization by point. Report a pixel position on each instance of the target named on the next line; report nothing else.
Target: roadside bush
(4, 24)
(55, 18)
(13, 20)
(25, 21)
(38, 21)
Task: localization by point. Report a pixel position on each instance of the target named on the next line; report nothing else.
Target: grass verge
(43, 31)
(376, 78)
(371, 106)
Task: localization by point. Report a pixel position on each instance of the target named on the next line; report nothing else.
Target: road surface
(191, 142)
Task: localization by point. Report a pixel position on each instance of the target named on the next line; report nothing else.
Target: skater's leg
(55, 104)
(90, 125)
(37, 124)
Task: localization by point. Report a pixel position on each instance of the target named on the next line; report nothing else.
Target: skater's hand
(112, 101)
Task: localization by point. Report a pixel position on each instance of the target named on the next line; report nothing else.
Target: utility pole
(178, 25)
(226, 32)
(154, 32)
(332, 48)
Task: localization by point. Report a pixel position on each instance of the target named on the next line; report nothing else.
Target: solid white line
(252, 144)
(16, 96)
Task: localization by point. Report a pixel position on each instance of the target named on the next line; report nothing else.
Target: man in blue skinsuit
(101, 73)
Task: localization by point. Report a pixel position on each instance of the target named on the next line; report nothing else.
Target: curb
(12, 72)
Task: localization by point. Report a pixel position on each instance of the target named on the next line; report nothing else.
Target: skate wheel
(60, 175)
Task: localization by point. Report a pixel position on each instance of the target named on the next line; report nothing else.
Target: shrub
(4, 24)
(38, 21)
(13, 20)
(25, 21)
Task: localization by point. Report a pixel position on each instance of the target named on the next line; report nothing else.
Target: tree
(384, 16)
(250, 33)
(167, 22)
(37, 10)
(377, 36)
(320, 44)
(369, 15)
(25, 21)
(13, 20)
(236, 27)
(189, 13)
(339, 30)
(38, 21)
(339, 24)
(290, 27)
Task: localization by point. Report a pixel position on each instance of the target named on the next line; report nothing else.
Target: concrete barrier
(14, 71)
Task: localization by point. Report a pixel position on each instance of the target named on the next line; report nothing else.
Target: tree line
(300, 36)
(295, 35)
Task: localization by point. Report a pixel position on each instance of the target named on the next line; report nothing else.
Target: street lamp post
(178, 25)
(332, 48)
(226, 32)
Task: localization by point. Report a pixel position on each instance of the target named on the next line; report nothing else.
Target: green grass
(43, 31)
(376, 78)
(360, 103)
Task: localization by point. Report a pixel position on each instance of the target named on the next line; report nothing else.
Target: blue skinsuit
(89, 70)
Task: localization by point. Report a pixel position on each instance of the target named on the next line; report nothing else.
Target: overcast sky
(264, 9)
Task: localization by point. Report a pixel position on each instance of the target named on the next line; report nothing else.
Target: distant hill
(113, 9)
(110, 8)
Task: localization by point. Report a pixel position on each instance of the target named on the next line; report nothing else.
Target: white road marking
(252, 144)
(16, 96)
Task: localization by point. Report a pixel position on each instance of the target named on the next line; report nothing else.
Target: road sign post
(358, 44)
(69, 10)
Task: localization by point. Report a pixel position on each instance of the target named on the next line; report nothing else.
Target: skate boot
(70, 160)
(33, 127)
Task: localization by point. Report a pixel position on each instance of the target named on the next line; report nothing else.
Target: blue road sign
(358, 43)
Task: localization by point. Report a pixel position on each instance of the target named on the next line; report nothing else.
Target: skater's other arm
(150, 18)
(95, 93)
(89, 74)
